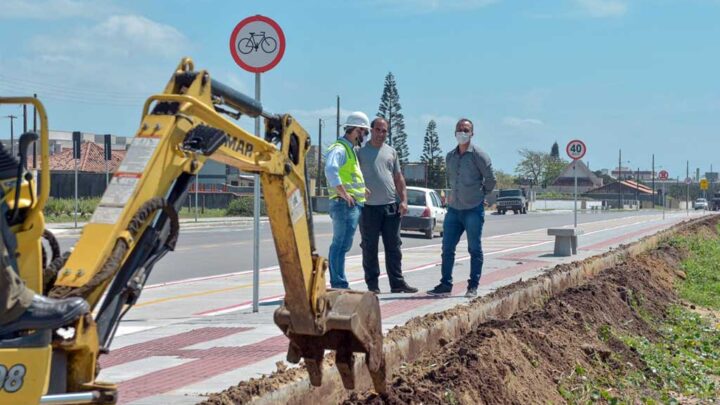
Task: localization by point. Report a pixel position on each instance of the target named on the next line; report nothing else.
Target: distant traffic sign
(575, 149)
(703, 184)
(257, 44)
(663, 175)
(688, 180)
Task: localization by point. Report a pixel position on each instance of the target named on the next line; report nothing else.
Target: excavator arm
(136, 224)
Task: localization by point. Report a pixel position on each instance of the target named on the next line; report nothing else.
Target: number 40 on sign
(575, 149)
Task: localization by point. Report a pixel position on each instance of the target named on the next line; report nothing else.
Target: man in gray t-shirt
(385, 203)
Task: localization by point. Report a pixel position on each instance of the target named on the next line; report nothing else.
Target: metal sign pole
(575, 190)
(256, 215)
(196, 195)
(664, 198)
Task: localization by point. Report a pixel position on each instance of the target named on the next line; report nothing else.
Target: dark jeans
(456, 223)
(377, 220)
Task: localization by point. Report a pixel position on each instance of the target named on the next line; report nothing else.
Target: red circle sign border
(281, 38)
(567, 149)
(663, 175)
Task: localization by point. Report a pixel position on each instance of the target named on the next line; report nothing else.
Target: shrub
(243, 207)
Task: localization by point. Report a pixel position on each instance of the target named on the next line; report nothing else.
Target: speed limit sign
(576, 149)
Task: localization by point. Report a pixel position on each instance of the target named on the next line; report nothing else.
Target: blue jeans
(345, 221)
(457, 222)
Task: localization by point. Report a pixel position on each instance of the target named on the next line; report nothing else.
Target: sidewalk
(188, 338)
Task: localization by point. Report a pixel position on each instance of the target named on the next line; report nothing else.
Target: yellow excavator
(136, 224)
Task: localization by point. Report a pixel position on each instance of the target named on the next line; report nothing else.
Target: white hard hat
(357, 119)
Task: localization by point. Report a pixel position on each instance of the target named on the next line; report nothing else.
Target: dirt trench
(522, 360)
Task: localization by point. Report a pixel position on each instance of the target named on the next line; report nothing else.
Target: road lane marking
(201, 293)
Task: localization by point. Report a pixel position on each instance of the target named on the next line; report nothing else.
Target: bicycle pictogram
(256, 42)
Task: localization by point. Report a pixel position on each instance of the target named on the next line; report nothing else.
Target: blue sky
(641, 75)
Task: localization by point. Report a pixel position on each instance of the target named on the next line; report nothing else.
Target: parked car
(425, 212)
(701, 204)
(511, 200)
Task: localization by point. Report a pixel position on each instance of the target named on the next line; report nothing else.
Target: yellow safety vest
(350, 175)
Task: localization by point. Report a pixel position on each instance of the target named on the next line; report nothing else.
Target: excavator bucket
(352, 324)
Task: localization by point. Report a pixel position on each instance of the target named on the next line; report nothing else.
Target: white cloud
(424, 6)
(602, 8)
(100, 62)
(53, 9)
(521, 122)
(118, 35)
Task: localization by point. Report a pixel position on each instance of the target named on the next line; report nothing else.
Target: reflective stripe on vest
(350, 175)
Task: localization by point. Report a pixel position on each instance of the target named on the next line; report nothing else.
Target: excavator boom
(136, 224)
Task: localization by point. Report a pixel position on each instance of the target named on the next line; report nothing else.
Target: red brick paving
(208, 363)
(165, 346)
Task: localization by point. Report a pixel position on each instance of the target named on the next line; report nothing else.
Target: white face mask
(462, 137)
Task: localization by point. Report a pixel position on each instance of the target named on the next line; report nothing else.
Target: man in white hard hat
(346, 187)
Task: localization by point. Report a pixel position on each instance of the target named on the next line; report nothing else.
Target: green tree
(504, 180)
(531, 166)
(553, 167)
(432, 156)
(555, 151)
(390, 110)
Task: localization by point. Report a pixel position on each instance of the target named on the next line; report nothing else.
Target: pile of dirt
(523, 359)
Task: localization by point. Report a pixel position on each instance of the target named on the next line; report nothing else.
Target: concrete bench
(565, 240)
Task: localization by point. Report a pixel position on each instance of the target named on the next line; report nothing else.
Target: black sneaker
(441, 290)
(374, 290)
(471, 292)
(404, 289)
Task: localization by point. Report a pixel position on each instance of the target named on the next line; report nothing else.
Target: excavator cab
(136, 224)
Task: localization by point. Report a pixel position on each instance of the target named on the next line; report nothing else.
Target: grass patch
(683, 365)
(702, 267)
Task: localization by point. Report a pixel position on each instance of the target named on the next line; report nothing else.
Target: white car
(701, 204)
(425, 212)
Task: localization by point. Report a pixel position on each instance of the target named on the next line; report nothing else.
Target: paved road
(227, 249)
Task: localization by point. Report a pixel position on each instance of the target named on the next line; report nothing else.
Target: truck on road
(714, 204)
(512, 200)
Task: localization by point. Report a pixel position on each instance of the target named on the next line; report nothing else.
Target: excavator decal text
(241, 146)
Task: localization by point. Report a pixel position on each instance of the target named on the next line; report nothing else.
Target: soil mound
(523, 359)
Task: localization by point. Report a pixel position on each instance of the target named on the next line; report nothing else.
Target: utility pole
(12, 133)
(34, 130)
(653, 180)
(319, 166)
(637, 188)
(24, 118)
(620, 196)
(687, 187)
(338, 118)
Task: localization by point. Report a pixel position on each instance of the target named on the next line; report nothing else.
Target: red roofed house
(92, 159)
